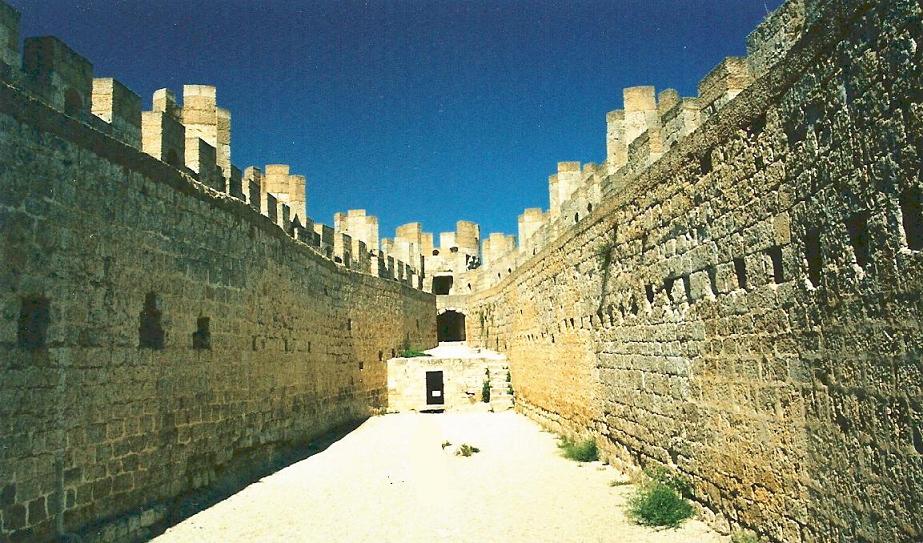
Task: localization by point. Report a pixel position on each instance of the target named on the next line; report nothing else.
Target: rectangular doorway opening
(434, 388)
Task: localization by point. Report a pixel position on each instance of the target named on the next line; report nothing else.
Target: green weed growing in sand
(446, 443)
(466, 450)
(659, 500)
(584, 451)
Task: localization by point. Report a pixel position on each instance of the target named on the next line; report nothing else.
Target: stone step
(501, 405)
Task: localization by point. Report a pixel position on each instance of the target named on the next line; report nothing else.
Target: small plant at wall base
(584, 451)
(485, 391)
(672, 479)
(658, 501)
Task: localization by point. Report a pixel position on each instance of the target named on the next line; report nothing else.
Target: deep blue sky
(414, 110)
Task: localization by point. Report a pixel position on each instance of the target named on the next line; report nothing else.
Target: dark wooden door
(434, 388)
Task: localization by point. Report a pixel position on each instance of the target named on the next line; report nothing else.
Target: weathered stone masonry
(156, 335)
(746, 309)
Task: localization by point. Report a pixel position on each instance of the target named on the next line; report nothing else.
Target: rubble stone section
(158, 337)
(743, 305)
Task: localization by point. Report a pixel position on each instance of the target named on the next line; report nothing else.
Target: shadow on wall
(450, 326)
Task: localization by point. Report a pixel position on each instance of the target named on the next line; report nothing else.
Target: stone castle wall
(158, 337)
(746, 309)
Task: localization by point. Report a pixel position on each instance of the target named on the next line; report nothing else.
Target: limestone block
(58, 75)
(700, 285)
(163, 137)
(272, 208)
(723, 83)
(114, 103)
(236, 184)
(725, 278)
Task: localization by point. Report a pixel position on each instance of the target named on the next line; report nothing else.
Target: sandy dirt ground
(390, 480)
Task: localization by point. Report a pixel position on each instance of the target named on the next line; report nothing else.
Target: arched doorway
(450, 326)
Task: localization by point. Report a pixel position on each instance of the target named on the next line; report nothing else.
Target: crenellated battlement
(194, 137)
(647, 127)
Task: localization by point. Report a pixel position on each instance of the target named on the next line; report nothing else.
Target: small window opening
(435, 252)
(202, 337)
(392, 353)
(740, 268)
(917, 440)
(349, 324)
(453, 249)
(775, 254)
(34, 315)
(813, 256)
(649, 290)
(713, 280)
(634, 306)
(912, 217)
(705, 163)
(309, 346)
(857, 228)
(668, 287)
(381, 356)
(150, 331)
(758, 125)
(361, 365)
(572, 322)
(589, 208)
(576, 217)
